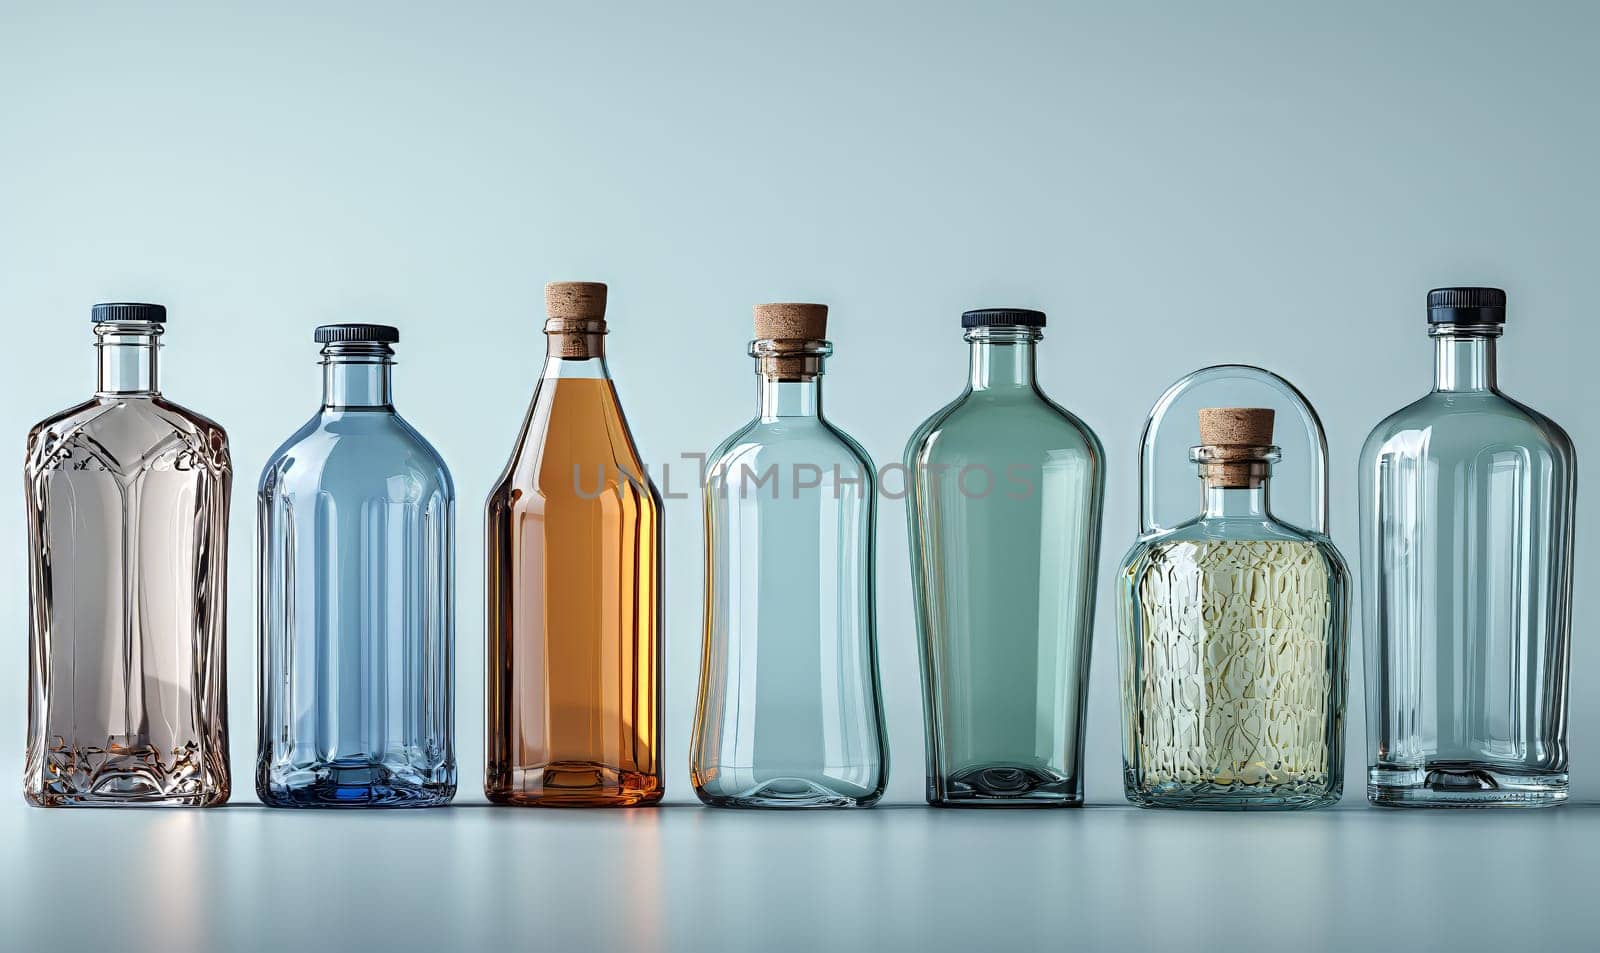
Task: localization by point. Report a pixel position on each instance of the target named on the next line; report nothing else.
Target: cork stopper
(576, 318)
(1236, 426)
(791, 321)
(1236, 446)
(790, 338)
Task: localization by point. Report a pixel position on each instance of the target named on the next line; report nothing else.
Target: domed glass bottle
(1233, 622)
(1004, 519)
(789, 713)
(1467, 503)
(128, 561)
(357, 610)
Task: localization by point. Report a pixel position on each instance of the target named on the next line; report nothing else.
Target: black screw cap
(1466, 306)
(351, 333)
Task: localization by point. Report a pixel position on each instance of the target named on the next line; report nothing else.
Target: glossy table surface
(897, 877)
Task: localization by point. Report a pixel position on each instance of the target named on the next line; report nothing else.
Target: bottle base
(1213, 796)
(791, 793)
(574, 784)
(1464, 784)
(126, 776)
(1004, 785)
(355, 783)
(54, 799)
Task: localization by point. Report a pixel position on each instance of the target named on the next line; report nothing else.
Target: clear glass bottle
(789, 713)
(1234, 639)
(1004, 515)
(574, 539)
(356, 597)
(1466, 545)
(128, 537)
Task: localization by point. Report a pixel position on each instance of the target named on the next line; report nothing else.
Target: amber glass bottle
(574, 538)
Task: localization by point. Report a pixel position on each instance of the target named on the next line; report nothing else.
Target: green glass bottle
(1004, 512)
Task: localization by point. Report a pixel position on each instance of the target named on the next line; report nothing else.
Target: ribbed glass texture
(356, 603)
(1466, 547)
(128, 531)
(1004, 515)
(789, 713)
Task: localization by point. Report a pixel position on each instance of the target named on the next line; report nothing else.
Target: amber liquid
(574, 609)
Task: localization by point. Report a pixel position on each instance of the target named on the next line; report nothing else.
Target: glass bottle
(789, 713)
(574, 539)
(1004, 517)
(1466, 545)
(128, 537)
(1234, 637)
(356, 597)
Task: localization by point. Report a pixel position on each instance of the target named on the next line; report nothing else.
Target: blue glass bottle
(789, 714)
(356, 598)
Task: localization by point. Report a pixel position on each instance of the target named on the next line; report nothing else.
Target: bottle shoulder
(1199, 535)
(571, 422)
(360, 453)
(1449, 424)
(788, 440)
(976, 425)
(128, 435)
(102, 412)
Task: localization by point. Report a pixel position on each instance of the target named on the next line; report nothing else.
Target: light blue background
(1176, 184)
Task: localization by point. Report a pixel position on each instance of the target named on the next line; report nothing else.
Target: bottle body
(1234, 639)
(1004, 517)
(1466, 538)
(574, 540)
(356, 616)
(128, 527)
(789, 712)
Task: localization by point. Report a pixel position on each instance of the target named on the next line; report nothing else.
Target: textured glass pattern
(356, 608)
(1466, 542)
(789, 712)
(1219, 703)
(128, 527)
(1234, 624)
(1004, 516)
(1234, 671)
(574, 573)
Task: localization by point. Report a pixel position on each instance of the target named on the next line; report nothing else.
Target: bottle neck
(579, 368)
(1228, 502)
(357, 376)
(789, 376)
(1002, 358)
(785, 397)
(127, 353)
(1464, 359)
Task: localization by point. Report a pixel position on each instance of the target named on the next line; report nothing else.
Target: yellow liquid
(574, 610)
